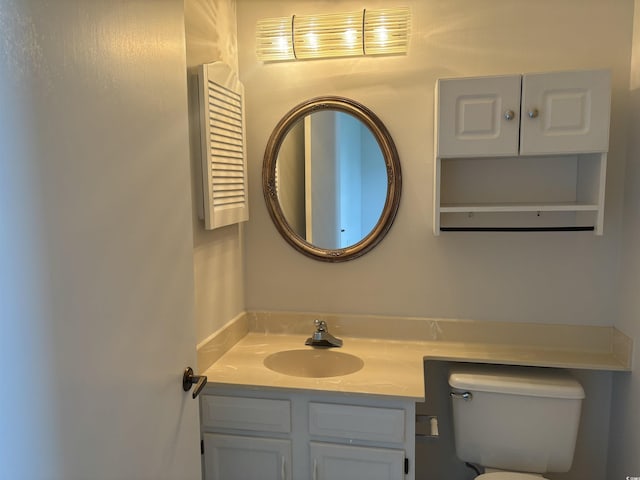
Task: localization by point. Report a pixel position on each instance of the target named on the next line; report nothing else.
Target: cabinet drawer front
(356, 422)
(253, 414)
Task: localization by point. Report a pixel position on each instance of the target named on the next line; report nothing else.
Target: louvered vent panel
(224, 148)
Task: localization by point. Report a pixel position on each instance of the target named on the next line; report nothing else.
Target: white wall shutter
(223, 146)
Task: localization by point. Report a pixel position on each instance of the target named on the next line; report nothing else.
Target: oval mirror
(331, 179)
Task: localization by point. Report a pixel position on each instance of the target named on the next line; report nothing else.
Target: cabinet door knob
(509, 114)
(533, 113)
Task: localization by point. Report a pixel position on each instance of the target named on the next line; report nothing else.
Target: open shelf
(519, 207)
(521, 193)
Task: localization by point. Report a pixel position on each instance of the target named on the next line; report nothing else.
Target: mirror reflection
(331, 179)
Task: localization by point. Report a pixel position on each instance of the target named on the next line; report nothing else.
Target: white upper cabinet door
(565, 112)
(478, 117)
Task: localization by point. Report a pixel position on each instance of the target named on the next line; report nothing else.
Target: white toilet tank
(523, 419)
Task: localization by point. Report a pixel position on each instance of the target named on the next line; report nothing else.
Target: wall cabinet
(521, 152)
(283, 435)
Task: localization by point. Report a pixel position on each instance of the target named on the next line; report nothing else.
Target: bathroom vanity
(303, 418)
(287, 434)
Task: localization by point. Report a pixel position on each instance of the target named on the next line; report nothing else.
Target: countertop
(393, 368)
(390, 368)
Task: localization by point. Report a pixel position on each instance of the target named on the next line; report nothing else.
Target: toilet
(516, 422)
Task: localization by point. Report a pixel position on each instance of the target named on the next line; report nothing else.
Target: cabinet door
(565, 112)
(344, 462)
(231, 457)
(478, 117)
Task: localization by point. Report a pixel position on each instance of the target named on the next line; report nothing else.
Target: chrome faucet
(321, 337)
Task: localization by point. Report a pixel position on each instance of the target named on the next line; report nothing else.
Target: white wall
(544, 277)
(624, 444)
(217, 254)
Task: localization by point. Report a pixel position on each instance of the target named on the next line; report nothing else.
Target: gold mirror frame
(392, 163)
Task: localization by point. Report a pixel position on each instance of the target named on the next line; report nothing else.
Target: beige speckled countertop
(390, 368)
(394, 366)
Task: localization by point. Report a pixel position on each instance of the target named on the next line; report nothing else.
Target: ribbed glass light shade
(274, 39)
(365, 32)
(386, 31)
(333, 35)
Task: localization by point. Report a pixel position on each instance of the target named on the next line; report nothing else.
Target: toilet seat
(509, 476)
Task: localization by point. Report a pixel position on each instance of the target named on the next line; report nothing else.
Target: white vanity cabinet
(521, 152)
(279, 434)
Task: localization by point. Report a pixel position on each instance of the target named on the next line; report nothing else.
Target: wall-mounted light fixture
(366, 32)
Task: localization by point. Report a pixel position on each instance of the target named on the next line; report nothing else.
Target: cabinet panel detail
(331, 462)
(477, 117)
(253, 414)
(357, 422)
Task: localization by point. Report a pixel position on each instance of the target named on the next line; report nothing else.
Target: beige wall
(624, 445)
(544, 277)
(218, 254)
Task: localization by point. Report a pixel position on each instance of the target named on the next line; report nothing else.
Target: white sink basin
(313, 363)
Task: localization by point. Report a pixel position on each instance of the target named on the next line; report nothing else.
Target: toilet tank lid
(529, 381)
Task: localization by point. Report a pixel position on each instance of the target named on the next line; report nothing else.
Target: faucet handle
(321, 337)
(321, 325)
